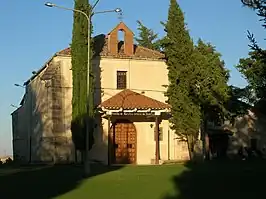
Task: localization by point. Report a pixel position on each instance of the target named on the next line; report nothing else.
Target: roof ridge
(140, 52)
(151, 50)
(128, 99)
(121, 23)
(142, 95)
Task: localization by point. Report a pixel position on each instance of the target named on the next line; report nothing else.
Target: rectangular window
(121, 79)
(160, 134)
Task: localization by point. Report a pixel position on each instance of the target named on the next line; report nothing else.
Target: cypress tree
(197, 78)
(79, 49)
(178, 48)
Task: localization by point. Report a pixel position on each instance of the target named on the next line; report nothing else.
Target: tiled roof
(101, 49)
(39, 71)
(128, 99)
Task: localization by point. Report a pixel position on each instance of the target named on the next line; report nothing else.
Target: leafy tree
(209, 89)
(254, 70)
(147, 38)
(260, 7)
(238, 103)
(253, 67)
(79, 60)
(209, 83)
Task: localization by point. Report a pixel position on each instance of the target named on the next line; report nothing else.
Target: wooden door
(124, 142)
(131, 143)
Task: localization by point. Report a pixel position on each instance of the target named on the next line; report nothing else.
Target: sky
(31, 33)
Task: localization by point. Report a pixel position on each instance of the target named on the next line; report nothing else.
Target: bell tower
(128, 40)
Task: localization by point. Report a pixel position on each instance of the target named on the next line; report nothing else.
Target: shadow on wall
(19, 134)
(97, 142)
(50, 121)
(249, 127)
(45, 182)
(51, 101)
(219, 180)
(49, 106)
(51, 139)
(99, 151)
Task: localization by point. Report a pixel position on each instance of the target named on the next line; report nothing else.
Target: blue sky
(31, 33)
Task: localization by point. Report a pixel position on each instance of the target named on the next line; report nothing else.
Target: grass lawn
(212, 180)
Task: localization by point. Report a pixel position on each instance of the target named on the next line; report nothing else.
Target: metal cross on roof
(120, 16)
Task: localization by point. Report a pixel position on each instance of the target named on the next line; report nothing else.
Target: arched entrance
(124, 142)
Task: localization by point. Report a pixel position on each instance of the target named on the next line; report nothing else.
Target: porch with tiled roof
(128, 100)
(129, 105)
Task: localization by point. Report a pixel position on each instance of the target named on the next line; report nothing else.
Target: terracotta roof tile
(128, 99)
(101, 49)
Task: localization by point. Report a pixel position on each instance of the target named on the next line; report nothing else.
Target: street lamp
(88, 17)
(14, 106)
(18, 85)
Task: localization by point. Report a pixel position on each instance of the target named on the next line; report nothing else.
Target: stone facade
(48, 102)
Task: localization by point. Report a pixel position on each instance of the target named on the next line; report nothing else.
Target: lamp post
(88, 17)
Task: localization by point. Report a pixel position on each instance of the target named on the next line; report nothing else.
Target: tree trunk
(205, 141)
(190, 144)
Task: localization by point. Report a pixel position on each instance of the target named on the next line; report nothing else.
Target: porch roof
(128, 100)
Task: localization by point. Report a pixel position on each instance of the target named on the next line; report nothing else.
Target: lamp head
(49, 4)
(12, 105)
(18, 85)
(118, 10)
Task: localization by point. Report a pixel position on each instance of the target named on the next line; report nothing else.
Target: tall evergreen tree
(178, 49)
(253, 67)
(79, 48)
(210, 82)
(147, 38)
(208, 87)
(259, 6)
(197, 78)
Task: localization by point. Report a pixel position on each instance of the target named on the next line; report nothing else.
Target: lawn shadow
(220, 179)
(45, 182)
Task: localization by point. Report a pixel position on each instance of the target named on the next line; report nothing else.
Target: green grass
(212, 180)
(129, 182)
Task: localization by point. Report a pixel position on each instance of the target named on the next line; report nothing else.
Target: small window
(160, 134)
(121, 79)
